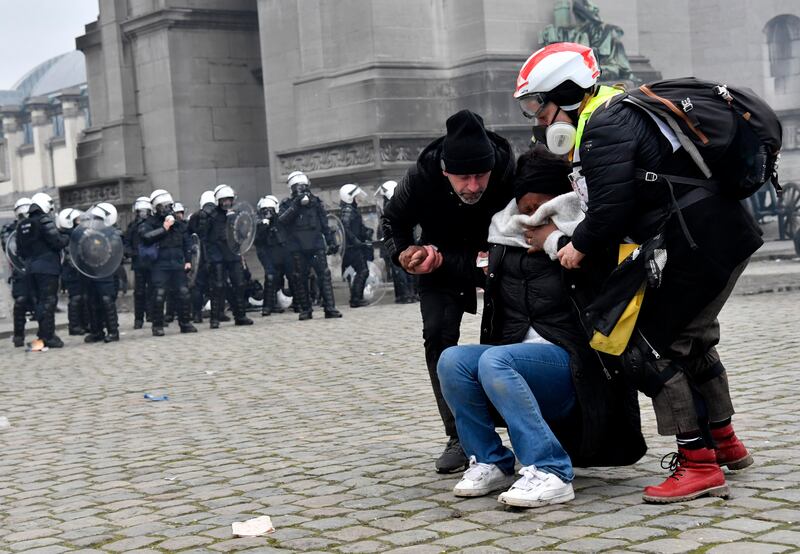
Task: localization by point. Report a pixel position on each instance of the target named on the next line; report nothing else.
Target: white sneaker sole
(535, 503)
(467, 493)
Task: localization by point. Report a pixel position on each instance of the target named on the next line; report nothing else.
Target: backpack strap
(703, 188)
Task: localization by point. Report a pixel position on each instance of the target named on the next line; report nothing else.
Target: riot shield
(12, 254)
(335, 260)
(378, 282)
(196, 258)
(96, 249)
(241, 228)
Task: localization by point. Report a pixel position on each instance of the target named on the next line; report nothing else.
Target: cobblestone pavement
(330, 428)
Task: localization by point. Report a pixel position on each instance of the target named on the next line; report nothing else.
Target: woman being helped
(534, 366)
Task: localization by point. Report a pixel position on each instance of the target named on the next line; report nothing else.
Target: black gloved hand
(332, 249)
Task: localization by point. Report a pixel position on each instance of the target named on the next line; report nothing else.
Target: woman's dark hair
(539, 170)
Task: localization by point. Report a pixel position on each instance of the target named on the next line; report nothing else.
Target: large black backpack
(732, 135)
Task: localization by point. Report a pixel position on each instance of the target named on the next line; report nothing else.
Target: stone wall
(194, 115)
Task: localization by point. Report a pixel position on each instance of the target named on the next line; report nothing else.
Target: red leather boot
(730, 450)
(695, 473)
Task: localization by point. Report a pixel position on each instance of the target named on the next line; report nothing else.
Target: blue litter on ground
(155, 398)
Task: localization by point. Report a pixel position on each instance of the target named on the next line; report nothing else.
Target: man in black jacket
(458, 183)
(39, 244)
(223, 263)
(271, 253)
(142, 209)
(308, 240)
(358, 243)
(677, 328)
(20, 290)
(168, 272)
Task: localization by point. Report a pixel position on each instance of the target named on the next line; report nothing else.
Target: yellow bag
(617, 341)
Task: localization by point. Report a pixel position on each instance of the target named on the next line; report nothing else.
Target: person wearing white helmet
(615, 146)
(20, 290)
(271, 253)
(142, 209)
(459, 182)
(171, 261)
(39, 244)
(197, 225)
(67, 220)
(101, 292)
(308, 240)
(223, 264)
(404, 283)
(21, 207)
(171, 310)
(358, 242)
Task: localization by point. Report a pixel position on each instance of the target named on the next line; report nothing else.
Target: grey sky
(32, 31)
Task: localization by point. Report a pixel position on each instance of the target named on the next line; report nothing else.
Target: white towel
(508, 225)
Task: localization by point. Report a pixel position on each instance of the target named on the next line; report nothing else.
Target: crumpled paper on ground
(253, 527)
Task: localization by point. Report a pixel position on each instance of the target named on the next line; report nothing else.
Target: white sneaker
(537, 488)
(481, 479)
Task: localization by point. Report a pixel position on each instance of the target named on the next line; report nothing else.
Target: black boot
(54, 342)
(75, 315)
(328, 301)
(453, 458)
(184, 309)
(19, 322)
(112, 318)
(217, 306)
(357, 290)
(300, 301)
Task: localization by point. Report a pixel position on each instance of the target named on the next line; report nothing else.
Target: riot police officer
(20, 290)
(358, 243)
(199, 289)
(271, 253)
(404, 283)
(172, 262)
(102, 291)
(39, 244)
(179, 212)
(223, 262)
(71, 278)
(308, 240)
(139, 264)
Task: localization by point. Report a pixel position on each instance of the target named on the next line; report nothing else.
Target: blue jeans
(528, 384)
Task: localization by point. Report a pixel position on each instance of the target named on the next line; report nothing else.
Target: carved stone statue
(586, 27)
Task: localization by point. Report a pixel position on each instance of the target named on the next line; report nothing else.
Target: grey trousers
(695, 348)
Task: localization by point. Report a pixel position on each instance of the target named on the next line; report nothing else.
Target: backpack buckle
(722, 90)
(687, 105)
(650, 177)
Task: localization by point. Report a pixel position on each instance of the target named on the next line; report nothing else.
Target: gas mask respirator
(559, 137)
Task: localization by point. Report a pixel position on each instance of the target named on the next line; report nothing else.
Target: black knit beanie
(539, 170)
(466, 149)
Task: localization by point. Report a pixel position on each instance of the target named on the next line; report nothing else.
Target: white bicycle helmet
(558, 73)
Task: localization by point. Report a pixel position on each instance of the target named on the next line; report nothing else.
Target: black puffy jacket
(174, 246)
(39, 243)
(526, 290)
(425, 197)
(131, 242)
(213, 230)
(617, 140)
(304, 226)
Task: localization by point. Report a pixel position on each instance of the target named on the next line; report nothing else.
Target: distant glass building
(43, 117)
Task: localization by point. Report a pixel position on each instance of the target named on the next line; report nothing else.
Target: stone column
(73, 125)
(42, 126)
(12, 129)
